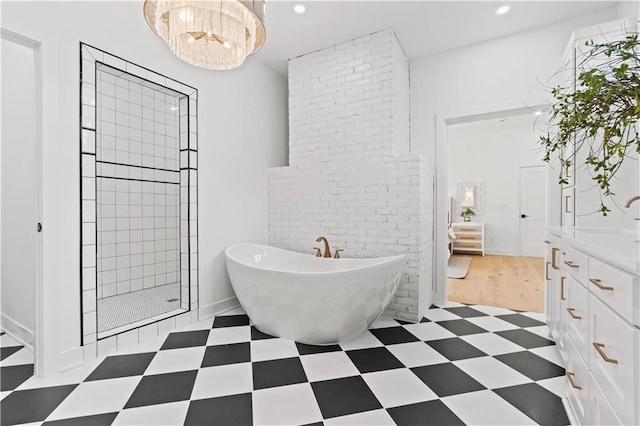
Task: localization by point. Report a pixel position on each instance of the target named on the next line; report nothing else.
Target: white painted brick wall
(351, 176)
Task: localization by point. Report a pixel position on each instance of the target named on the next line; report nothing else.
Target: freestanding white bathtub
(313, 300)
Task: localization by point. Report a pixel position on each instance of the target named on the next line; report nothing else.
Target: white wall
(18, 191)
(492, 151)
(352, 178)
(494, 75)
(242, 132)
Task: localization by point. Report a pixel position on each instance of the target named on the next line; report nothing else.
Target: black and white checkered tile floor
(461, 365)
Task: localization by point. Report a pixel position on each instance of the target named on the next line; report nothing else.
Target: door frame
(441, 165)
(36, 47)
(546, 200)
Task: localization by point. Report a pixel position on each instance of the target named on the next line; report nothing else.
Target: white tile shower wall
(351, 176)
(137, 186)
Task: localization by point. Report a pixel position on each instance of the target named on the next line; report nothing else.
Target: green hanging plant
(600, 115)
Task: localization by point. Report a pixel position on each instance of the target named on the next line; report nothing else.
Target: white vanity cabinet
(593, 310)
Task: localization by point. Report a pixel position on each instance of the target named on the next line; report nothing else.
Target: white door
(532, 208)
(20, 190)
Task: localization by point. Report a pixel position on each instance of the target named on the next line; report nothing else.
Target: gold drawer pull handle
(570, 376)
(598, 283)
(554, 264)
(604, 356)
(570, 264)
(546, 271)
(574, 316)
(467, 229)
(562, 288)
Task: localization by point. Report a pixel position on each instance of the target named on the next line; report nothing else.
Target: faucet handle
(337, 254)
(318, 252)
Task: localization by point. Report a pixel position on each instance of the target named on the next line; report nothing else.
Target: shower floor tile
(468, 364)
(119, 311)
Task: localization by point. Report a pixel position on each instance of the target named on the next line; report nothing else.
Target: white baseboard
(18, 331)
(218, 308)
(71, 358)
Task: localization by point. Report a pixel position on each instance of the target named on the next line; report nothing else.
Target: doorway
(20, 201)
(484, 158)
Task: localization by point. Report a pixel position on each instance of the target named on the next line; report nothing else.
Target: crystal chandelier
(216, 34)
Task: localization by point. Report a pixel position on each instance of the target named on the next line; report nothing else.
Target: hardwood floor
(511, 282)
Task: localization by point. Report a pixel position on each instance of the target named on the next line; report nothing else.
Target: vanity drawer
(577, 388)
(613, 359)
(576, 264)
(576, 315)
(600, 411)
(614, 287)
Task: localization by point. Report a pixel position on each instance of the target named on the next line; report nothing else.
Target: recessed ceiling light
(502, 10)
(299, 8)
(537, 113)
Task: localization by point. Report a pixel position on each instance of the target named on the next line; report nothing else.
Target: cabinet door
(577, 388)
(613, 359)
(600, 411)
(577, 314)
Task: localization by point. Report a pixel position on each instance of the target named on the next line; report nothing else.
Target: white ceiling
(423, 27)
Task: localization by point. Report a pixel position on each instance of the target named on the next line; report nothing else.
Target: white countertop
(619, 247)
